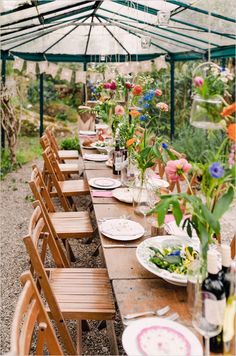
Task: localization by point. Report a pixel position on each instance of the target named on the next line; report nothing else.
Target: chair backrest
(47, 141)
(56, 176)
(53, 142)
(39, 189)
(31, 317)
(37, 254)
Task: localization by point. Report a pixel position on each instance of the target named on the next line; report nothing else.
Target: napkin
(103, 194)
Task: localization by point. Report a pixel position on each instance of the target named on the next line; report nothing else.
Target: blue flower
(151, 94)
(216, 170)
(140, 101)
(146, 106)
(143, 118)
(175, 253)
(164, 145)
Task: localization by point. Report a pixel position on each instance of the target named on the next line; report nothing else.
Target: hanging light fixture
(145, 42)
(163, 18)
(102, 58)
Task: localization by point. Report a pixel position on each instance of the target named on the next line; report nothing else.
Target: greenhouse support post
(3, 74)
(172, 98)
(85, 85)
(41, 104)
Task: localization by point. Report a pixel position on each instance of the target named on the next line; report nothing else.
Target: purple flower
(164, 145)
(216, 170)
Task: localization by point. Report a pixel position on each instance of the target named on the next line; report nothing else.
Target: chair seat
(83, 293)
(74, 187)
(69, 168)
(73, 224)
(68, 154)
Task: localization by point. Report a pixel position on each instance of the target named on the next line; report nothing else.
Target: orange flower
(229, 110)
(134, 113)
(232, 132)
(137, 90)
(130, 141)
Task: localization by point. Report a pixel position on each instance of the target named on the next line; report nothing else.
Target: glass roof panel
(226, 8)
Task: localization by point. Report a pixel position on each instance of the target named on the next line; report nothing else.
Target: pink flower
(158, 92)
(176, 169)
(162, 107)
(113, 85)
(107, 85)
(119, 110)
(198, 81)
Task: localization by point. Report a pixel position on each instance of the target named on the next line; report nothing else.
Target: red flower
(113, 85)
(137, 90)
(128, 85)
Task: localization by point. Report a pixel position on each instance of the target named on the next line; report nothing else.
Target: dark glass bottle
(117, 159)
(215, 312)
(226, 262)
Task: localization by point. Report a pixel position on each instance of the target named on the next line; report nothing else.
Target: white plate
(123, 194)
(87, 133)
(122, 229)
(173, 229)
(143, 254)
(95, 157)
(104, 183)
(101, 126)
(87, 147)
(179, 340)
(158, 183)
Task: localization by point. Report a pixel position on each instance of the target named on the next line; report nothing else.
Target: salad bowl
(168, 256)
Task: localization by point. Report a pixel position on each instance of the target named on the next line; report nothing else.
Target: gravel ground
(16, 209)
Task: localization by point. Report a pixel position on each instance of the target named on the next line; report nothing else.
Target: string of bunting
(82, 76)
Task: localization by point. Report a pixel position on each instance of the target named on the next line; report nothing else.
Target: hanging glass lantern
(102, 58)
(146, 42)
(207, 101)
(163, 18)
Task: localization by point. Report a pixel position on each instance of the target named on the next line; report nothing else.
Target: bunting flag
(43, 67)
(160, 63)
(66, 74)
(52, 69)
(30, 67)
(80, 77)
(18, 64)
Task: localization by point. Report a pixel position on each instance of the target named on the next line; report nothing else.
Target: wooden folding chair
(75, 224)
(61, 154)
(64, 189)
(71, 293)
(31, 318)
(66, 168)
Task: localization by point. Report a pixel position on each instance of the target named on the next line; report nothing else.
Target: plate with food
(123, 194)
(157, 336)
(122, 229)
(101, 146)
(168, 257)
(87, 133)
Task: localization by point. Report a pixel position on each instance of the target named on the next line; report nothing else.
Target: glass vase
(205, 113)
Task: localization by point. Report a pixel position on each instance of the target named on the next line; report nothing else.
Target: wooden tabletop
(135, 289)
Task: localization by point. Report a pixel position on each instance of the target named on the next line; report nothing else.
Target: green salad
(173, 259)
(101, 144)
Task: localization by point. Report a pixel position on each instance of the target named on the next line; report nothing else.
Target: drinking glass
(194, 280)
(202, 312)
(109, 145)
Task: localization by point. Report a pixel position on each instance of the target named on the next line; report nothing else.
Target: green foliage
(70, 143)
(61, 111)
(49, 92)
(197, 143)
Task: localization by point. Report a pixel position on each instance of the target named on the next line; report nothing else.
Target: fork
(173, 316)
(158, 312)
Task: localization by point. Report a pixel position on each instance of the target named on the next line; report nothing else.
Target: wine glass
(203, 317)
(109, 144)
(194, 280)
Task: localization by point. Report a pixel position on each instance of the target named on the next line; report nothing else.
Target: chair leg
(79, 337)
(70, 254)
(96, 252)
(102, 324)
(85, 325)
(112, 337)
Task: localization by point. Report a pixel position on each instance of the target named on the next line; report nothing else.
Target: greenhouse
(118, 143)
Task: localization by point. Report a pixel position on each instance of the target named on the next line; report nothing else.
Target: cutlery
(173, 316)
(158, 312)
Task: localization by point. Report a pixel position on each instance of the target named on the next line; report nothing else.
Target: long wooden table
(135, 289)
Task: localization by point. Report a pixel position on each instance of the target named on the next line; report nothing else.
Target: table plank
(138, 295)
(122, 264)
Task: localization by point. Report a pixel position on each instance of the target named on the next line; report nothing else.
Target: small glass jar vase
(205, 113)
